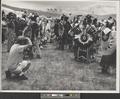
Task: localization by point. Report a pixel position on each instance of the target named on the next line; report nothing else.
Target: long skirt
(108, 60)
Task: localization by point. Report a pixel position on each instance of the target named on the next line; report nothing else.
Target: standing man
(65, 38)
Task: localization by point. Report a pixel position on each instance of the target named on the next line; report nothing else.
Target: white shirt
(16, 55)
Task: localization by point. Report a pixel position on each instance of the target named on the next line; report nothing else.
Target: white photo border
(71, 91)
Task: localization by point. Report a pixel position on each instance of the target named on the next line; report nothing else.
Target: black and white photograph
(59, 46)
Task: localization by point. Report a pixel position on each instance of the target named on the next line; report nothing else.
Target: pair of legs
(37, 50)
(19, 71)
(62, 43)
(105, 69)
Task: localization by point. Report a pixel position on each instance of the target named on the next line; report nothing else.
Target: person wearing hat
(16, 63)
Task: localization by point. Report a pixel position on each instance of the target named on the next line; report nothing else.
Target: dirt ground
(57, 70)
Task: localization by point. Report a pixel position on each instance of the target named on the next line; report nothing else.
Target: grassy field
(57, 70)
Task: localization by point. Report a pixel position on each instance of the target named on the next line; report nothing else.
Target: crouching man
(17, 64)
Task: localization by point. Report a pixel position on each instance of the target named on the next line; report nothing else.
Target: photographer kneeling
(17, 64)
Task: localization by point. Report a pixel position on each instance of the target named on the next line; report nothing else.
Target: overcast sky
(72, 6)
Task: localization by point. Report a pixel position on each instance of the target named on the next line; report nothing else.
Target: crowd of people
(84, 35)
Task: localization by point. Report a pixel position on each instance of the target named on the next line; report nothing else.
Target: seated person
(16, 63)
